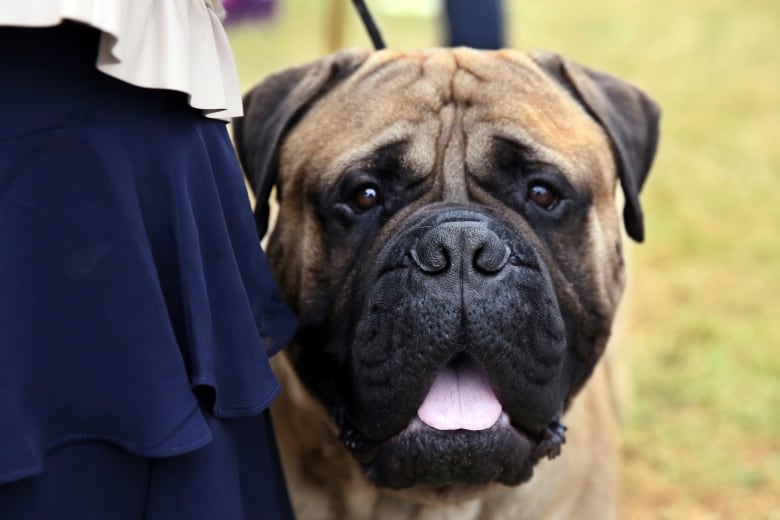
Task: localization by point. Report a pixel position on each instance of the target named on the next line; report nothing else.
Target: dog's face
(448, 236)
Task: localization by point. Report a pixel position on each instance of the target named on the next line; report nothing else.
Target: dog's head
(449, 237)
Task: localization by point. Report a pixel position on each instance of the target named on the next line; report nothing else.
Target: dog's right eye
(365, 197)
(543, 196)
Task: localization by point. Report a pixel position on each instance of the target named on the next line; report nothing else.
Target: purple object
(241, 10)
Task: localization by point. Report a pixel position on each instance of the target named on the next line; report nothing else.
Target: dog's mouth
(460, 435)
(460, 398)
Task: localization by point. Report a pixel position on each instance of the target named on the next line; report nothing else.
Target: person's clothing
(137, 309)
(100, 481)
(172, 44)
(247, 10)
(475, 23)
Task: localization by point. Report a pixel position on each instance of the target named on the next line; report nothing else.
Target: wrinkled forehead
(416, 97)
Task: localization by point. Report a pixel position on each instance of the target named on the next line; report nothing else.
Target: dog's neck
(325, 482)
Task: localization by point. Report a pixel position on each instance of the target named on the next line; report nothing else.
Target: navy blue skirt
(137, 310)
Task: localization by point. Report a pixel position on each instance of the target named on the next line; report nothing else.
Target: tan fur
(419, 92)
(449, 105)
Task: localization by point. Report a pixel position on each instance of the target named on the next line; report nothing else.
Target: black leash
(368, 22)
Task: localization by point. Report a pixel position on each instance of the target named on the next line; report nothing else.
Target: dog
(450, 236)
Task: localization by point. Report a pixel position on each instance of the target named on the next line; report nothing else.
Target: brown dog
(448, 235)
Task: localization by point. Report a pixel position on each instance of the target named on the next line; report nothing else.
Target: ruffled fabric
(93, 480)
(173, 44)
(136, 306)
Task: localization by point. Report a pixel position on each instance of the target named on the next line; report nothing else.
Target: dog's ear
(628, 116)
(270, 111)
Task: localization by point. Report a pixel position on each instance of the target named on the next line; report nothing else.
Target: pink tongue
(460, 398)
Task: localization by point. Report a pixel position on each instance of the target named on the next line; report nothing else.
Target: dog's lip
(547, 442)
(365, 450)
(416, 426)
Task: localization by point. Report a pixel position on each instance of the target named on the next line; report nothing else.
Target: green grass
(702, 439)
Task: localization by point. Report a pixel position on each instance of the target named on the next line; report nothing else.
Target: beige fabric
(170, 44)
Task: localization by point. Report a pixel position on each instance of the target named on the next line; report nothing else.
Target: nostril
(491, 256)
(431, 260)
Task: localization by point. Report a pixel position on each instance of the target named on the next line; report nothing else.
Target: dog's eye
(542, 195)
(365, 197)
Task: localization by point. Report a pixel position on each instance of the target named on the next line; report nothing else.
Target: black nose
(469, 247)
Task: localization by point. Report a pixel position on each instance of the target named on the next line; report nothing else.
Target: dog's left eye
(365, 197)
(542, 195)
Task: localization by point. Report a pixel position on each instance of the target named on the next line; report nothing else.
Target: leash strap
(368, 23)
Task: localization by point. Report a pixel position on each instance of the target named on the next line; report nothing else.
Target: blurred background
(702, 433)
